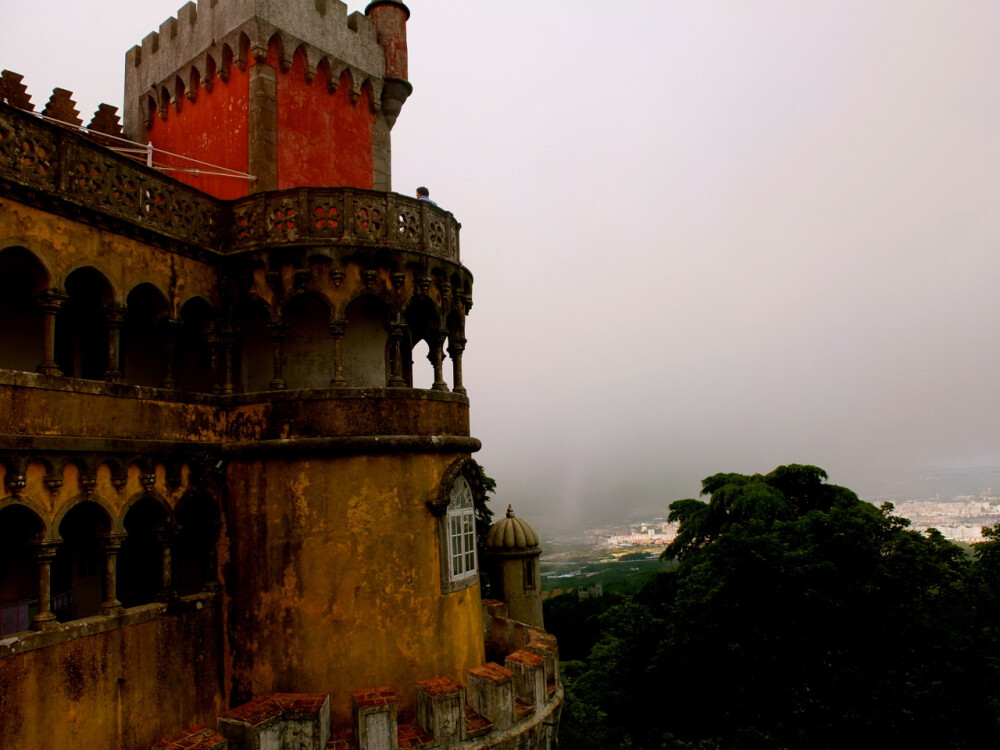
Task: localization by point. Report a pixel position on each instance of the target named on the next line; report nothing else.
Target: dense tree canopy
(799, 617)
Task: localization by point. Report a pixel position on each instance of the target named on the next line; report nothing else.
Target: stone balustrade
(73, 175)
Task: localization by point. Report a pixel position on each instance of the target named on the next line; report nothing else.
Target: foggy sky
(706, 236)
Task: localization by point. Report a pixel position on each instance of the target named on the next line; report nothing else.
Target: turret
(513, 546)
(390, 22)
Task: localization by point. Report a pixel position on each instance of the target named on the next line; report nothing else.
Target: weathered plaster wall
(346, 412)
(63, 245)
(117, 690)
(335, 579)
(323, 138)
(37, 405)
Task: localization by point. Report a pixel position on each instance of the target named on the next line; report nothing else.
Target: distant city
(959, 519)
(958, 502)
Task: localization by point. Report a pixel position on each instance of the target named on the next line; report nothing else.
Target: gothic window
(461, 531)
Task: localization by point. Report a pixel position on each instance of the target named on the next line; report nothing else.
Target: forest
(798, 616)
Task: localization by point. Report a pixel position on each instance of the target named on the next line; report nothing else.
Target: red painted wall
(323, 139)
(212, 129)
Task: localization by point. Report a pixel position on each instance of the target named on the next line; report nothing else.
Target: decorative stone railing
(62, 169)
(343, 216)
(38, 155)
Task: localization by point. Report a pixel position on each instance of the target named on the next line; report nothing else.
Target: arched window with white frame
(461, 531)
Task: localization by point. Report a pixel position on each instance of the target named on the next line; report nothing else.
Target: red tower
(295, 95)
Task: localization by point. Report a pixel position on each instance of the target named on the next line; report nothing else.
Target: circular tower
(513, 547)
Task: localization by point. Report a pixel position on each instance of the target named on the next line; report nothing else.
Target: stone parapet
(491, 694)
(278, 721)
(78, 176)
(197, 737)
(374, 712)
(528, 670)
(440, 708)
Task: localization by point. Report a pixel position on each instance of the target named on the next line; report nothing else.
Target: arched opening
(421, 371)
(21, 320)
(140, 562)
(192, 350)
(144, 338)
(308, 348)
(256, 360)
(194, 555)
(423, 324)
(19, 529)
(81, 326)
(78, 568)
(365, 339)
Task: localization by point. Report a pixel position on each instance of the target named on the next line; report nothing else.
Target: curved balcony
(343, 216)
(69, 173)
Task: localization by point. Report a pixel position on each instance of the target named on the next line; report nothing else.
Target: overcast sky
(706, 236)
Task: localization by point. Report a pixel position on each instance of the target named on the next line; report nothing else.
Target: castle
(228, 519)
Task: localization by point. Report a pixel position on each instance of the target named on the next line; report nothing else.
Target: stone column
(115, 316)
(171, 327)
(263, 125)
(337, 329)
(456, 346)
(211, 572)
(45, 553)
(112, 544)
(396, 331)
(436, 356)
(278, 333)
(50, 301)
(223, 354)
(165, 537)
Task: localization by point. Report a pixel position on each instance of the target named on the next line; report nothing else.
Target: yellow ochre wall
(89, 692)
(336, 579)
(63, 245)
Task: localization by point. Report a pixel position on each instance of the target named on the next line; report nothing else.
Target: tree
(484, 520)
(803, 617)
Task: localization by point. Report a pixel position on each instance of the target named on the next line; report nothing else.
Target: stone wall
(83, 684)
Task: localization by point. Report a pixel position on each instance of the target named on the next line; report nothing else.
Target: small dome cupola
(511, 535)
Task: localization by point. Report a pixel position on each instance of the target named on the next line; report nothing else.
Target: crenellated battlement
(60, 106)
(202, 41)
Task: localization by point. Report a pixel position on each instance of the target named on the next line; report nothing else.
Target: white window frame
(461, 531)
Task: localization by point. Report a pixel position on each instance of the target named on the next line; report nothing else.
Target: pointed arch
(366, 339)
(145, 336)
(145, 518)
(21, 528)
(178, 97)
(211, 70)
(22, 276)
(195, 547)
(254, 360)
(78, 567)
(226, 64)
(194, 84)
(195, 364)
(82, 331)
